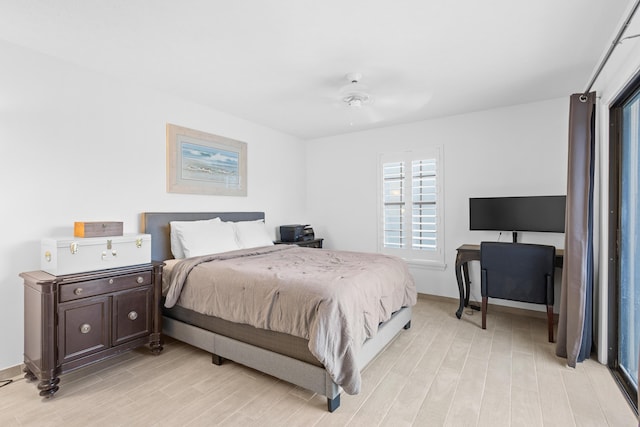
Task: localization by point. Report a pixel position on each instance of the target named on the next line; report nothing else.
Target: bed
(277, 349)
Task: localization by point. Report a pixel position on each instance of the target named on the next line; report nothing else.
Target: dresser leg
(28, 375)
(155, 345)
(156, 348)
(49, 387)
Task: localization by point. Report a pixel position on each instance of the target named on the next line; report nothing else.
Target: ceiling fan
(355, 94)
(393, 99)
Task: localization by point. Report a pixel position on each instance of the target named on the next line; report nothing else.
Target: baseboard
(10, 372)
(494, 307)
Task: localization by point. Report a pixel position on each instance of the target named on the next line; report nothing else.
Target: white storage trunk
(77, 255)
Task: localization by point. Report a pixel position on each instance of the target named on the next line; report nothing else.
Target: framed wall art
(203, 163)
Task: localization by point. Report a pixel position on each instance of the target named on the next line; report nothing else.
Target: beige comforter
(335, 299)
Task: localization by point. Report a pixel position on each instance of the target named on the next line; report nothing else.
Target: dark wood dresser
(74, 320)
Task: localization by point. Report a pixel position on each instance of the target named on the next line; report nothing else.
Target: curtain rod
(627, 21)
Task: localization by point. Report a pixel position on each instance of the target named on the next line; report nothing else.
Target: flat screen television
(532, 213)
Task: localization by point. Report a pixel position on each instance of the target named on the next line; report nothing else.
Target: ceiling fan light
(356, 100)
(355, 94)
(353, 102)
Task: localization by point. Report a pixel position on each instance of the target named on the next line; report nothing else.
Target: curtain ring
(583, 98)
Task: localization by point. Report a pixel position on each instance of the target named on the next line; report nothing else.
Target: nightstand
(74, 320)
(315, 243)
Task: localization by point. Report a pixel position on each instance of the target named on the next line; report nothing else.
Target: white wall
(521, 150)
(77, 145)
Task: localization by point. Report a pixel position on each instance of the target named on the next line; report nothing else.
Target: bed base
(303, 374)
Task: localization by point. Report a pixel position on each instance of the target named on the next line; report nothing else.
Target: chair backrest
(517, 271)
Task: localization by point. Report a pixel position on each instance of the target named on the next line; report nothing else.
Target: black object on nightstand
(315, 243)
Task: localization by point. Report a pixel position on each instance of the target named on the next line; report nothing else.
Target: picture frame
(204, 163)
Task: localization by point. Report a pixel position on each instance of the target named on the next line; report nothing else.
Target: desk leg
(459, 268)
(467, 283)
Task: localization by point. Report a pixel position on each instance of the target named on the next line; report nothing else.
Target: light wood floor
(443, 371)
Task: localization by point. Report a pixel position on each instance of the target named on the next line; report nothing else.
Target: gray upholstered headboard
(157, 224)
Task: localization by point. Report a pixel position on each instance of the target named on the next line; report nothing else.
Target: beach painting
(202, 163)
(210, 164)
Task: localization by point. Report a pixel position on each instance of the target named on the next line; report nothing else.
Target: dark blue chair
(517, 272)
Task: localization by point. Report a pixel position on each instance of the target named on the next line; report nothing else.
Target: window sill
(426, 264)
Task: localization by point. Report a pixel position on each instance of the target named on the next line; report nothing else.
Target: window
(411, 223)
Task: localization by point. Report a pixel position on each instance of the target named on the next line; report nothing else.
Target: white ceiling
(280, 63)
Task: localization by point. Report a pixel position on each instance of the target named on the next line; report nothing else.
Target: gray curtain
(575, 325)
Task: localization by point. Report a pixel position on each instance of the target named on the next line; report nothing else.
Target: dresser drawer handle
(140, 279)
(111, 281)
(78, 291)
(132, 315)
(85, 328)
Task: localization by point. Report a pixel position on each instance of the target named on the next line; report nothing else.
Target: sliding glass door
(629, 241)
(625, 301)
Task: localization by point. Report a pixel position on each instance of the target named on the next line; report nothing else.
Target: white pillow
(214, 238)
(176, 226)
(252, 234)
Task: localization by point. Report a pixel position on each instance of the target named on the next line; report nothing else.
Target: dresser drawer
(83, 327)
(131, 314)
(74, 291)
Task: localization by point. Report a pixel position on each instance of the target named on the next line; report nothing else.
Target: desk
(468, 253)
